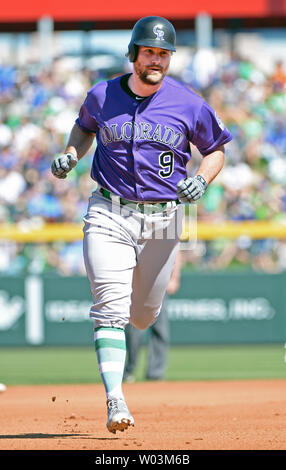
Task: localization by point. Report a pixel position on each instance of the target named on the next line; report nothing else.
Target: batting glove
(63, 164)
(191, 189)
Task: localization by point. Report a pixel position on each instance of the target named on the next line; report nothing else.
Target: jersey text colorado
(142, 131)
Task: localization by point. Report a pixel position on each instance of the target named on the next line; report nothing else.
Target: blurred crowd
(38, 106)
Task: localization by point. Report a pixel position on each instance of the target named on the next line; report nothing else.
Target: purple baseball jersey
(143, 145)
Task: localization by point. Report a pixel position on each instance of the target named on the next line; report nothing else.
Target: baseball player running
(143, 123)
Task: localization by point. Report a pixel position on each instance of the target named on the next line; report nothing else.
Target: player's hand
(191, 189)
(63, 164)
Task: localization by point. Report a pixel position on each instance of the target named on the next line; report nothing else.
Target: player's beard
(149, 76)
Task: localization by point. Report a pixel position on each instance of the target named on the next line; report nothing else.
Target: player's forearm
(211, 165)
(79, 142)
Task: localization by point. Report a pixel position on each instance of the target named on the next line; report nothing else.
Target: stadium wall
(215, 308)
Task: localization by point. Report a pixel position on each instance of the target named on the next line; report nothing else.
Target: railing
(52, 232)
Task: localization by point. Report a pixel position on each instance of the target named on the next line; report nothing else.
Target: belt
(144, 207)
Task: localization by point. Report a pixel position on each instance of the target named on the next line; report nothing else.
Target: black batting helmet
(152, 31)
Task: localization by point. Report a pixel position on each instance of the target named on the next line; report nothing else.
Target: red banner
(32, 10)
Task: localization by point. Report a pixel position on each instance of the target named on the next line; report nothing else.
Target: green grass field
(52, 365)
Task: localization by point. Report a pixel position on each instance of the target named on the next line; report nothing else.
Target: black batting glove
(191, 189)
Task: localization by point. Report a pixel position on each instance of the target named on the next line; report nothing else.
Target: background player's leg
(158, 346)
(133, 344)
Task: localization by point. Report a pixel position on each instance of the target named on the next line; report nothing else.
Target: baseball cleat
(118, 415)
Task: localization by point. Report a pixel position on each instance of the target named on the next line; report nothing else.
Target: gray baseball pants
(129, 257)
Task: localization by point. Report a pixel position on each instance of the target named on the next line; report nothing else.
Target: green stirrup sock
(110, 346)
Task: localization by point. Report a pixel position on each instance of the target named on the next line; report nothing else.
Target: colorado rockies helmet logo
(158, 31)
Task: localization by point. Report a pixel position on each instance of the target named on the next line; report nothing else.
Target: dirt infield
(168, 416)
